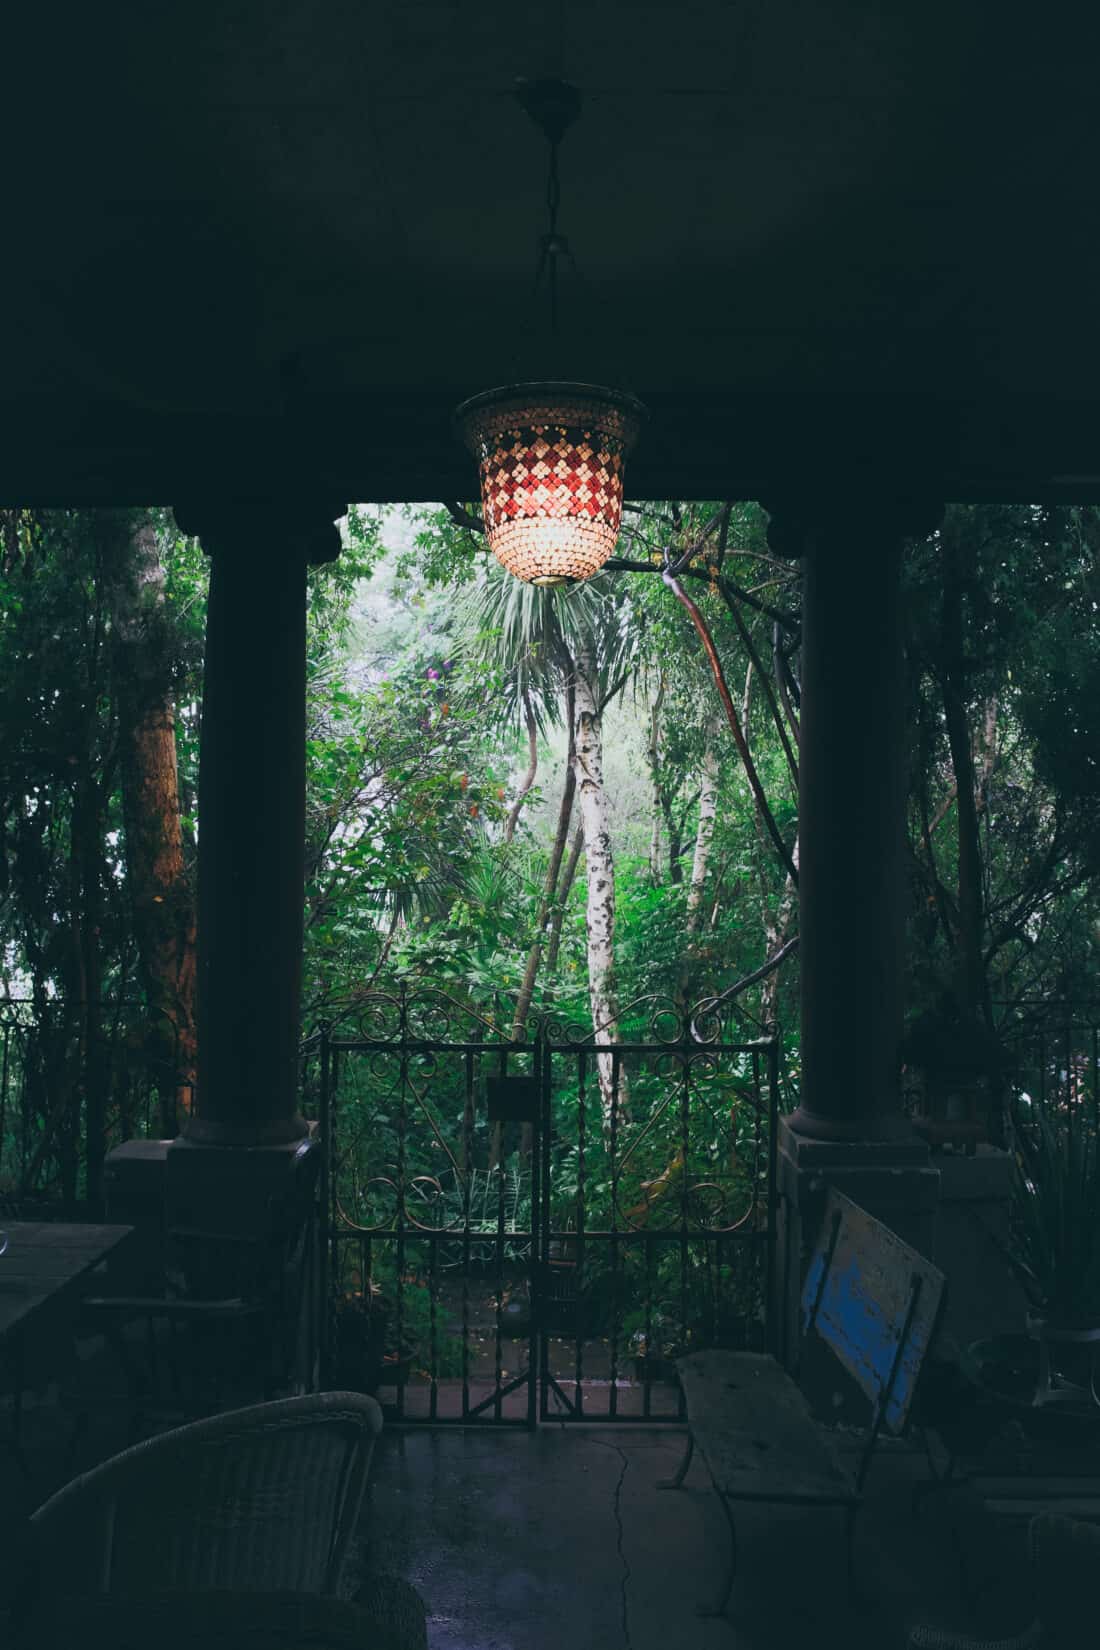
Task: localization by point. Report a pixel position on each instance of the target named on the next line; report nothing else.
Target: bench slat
(755, 1430)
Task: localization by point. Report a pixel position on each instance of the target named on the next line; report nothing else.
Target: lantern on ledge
(551, 459)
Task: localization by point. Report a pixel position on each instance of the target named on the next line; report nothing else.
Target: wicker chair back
(258, 1499)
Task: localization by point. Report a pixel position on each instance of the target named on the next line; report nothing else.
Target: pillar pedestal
(972, 1234)
(894, 1180)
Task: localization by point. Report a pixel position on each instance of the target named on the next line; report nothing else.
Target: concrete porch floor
(559, 1539)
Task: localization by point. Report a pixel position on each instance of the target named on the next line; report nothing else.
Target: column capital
(805, 520)
(274, 526)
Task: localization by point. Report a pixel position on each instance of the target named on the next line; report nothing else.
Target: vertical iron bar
(1095, 1084)
(647, 1343)
(24, 1120)
(581, 1222)
(366, 1273)
(498, 1357)
(402, 1125)
(685, 1145)
(882, 1403)
(770, 1303)
(539, 1073)
(4, 1093)
(616, 1077)
(468, 1160)
(325, 1235)
(543, 1274)
(433, 1364)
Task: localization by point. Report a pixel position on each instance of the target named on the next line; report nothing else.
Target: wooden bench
(874, 1303)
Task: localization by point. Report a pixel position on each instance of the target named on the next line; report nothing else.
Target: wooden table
(46, 1261)
(43, 1274)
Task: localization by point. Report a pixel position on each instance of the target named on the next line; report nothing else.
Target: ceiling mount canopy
(551, 453)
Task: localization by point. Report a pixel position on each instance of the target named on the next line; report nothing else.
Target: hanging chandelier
(551, 454)
(551, 458)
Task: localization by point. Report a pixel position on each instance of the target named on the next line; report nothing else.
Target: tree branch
(761, 973)
(463, 518)
(735, 726)
(743, 632)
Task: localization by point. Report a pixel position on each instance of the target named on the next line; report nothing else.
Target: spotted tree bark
(160, 889)
(599, 859)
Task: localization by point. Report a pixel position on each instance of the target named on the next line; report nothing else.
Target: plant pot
(1069, 1362)
(1007, 1370)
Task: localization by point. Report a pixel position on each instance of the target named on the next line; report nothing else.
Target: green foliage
(1028, 676)
(1056, 1228)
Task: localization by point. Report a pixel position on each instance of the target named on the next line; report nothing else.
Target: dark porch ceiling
(270, 244)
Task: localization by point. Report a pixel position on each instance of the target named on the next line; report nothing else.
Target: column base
(133, 1179)
(810, 1126)
(283, 1131)
(242, 1222)
(218, 1188)
(894, 1180)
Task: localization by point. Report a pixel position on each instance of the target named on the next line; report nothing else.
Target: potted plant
(653, 1354)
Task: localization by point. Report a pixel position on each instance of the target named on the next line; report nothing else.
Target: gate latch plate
(512, 1099)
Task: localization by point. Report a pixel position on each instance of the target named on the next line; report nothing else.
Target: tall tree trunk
(600, 909)
(568, 878)
(653, 755)
(704, 836)
(777, 926)
(87, 853)
(704, 830)
(779, 933)
(532, 767)
(162, 898)
(972, 993)
(561, 837)
(674, 828)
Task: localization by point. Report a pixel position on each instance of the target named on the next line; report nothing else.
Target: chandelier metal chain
(551, 454)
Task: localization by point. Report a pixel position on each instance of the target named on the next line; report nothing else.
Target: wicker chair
(259, 1499)
(391, 1617)
(1065, 1555)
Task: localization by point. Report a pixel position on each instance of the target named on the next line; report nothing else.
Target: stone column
(849, 1129)
(234, 1193)
(252, 819)
(239, 1182)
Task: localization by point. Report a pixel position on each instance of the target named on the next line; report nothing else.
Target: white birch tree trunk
(600, 868)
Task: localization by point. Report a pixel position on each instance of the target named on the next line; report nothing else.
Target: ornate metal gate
(534, 1230)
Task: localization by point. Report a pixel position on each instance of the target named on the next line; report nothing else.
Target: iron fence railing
(506, 1241)
(1052, 1066)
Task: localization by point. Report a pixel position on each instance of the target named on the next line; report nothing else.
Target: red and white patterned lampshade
(551, 460)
